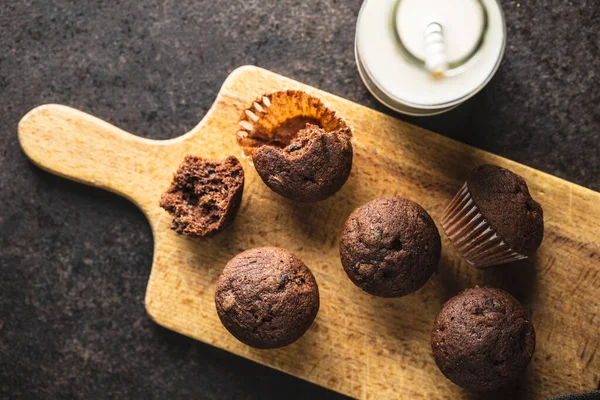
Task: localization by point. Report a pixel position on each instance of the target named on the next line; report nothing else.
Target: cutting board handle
(78, 146)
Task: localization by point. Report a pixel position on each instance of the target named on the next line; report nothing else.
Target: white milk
(423, 57)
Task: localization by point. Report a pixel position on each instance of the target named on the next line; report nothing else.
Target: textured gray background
(75, 261)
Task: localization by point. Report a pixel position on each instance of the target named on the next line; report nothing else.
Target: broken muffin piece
(300, 148)
(313, 167)
(204, 196)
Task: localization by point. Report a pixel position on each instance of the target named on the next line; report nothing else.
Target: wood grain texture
(359, 345)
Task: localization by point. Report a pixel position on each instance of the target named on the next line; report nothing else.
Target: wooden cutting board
(359, 345)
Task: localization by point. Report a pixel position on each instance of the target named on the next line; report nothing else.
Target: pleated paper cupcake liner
(275, 118)
(472, 235)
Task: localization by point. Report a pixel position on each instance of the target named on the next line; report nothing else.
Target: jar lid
(429, 54)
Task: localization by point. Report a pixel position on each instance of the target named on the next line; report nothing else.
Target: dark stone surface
(74, 261)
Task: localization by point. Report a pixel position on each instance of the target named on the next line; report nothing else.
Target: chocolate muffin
(390, 247)
(301, 149)
(313, 167)
(482, 339)
(204, 196)
(266, 297)
(493, 219)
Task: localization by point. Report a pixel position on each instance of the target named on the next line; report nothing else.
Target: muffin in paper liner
(276, 118)
(301, 149)
(473, 236)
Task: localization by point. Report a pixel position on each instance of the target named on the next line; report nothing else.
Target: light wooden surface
(359, 345)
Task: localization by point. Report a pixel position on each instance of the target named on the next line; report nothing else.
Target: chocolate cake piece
(204, 196)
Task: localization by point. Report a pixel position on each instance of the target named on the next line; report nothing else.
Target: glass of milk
(425, 57)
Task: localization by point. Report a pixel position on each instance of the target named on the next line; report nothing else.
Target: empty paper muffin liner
(473, 236)
(275, 119)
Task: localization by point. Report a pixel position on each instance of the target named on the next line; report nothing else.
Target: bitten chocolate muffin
(266, 297)
(390, 247)
(301, 149)
(314, 166)
(204, 196)
(482, 339)
(493, 219)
